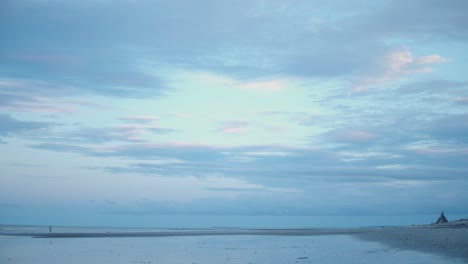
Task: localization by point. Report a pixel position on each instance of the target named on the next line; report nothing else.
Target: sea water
(235, 249)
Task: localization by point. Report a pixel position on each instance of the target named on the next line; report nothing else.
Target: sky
(121, 112)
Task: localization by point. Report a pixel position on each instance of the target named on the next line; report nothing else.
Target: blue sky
(117, 109)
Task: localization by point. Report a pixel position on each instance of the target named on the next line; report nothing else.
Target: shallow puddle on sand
(207, 250)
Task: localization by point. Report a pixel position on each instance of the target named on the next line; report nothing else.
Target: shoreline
(190, 232)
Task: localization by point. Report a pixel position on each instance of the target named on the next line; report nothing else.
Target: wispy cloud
(140, 119)
(301, 118)
(131, 133)
(11, 126)
(436, 148)
(268, 84)
(352, 136)
(234, 127)
(264, 86)
(461, 100)
(396, 65)
(393, 167)
(350, 156)
(434, 86)
(268, 153)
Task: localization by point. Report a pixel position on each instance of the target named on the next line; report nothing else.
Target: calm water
(260, 221)
(208, 250)
(265, 221)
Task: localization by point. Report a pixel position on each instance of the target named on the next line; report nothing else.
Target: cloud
(186, 151)
(32, 90)
(436, 148)
(28, 94)
(393, 167)
(276, 129)
(180, 150)
(352, 136)
(249, 38)
(343, 147)
(38, 105)
(268, 153)
(461, 100)
(291, 172)
(63, 148)
(224, 184)
(268, 45)
(139, 119)
(11, 126)
(351, 156)
(123, 133)
(433, 86)
(431, 59)
(264, 86)
(252, 62)
(399, 18)
(39, 96)
(234, 127)
(300, 118)
(450, 127)
(396, 65)
(267, 84)
(27, 165)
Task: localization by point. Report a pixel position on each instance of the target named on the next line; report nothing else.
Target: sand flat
(190, 232)
(424, 244)
(445, 240)
(233, 249)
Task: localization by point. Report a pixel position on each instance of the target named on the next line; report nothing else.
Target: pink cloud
(140, 119)
(434, 148)
(461, 100)
(353, 136)
(164, 145)
(234, 130)
(396, 65)
(133, 133)
(272, 84)
(433, 151)
(264, 86)
(138, 130)
(40, 105)
(234, 127)
(187, 145)
(351, 156)
(431, 59)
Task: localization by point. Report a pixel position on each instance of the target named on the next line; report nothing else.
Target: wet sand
(448, 240)
(210, 249)
(190, 232)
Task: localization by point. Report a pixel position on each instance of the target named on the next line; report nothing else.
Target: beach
(418, 244)
(447, 239)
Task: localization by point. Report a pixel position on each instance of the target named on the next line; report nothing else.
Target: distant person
(50, 229)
